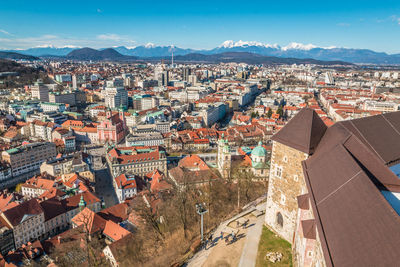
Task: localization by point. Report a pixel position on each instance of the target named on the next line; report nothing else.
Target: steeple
(82, 203)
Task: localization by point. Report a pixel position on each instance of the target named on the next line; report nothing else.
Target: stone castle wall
(286, 182)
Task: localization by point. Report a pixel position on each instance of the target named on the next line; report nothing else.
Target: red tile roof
(114, 231)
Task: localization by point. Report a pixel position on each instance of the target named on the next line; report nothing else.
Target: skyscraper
(185, 74)
(40, 91)
(115, 95)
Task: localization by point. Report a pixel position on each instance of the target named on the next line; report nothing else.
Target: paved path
(200, 257)
(249, 253)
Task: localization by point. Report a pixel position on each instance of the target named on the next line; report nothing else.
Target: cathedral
(254, 159)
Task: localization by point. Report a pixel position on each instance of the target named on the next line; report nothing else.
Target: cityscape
(166, 146)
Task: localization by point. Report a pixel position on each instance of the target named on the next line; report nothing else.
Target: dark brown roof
(303, 132)
(52, 208)
(117, 213)
(309, 229)
(356, 224)
(303, 201)
(24, 210)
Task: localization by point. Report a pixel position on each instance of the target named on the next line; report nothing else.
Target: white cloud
(50, 40)
(110, 36)
(343, 24)
(5, 32)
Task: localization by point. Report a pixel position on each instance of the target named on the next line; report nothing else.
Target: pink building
(113, 128)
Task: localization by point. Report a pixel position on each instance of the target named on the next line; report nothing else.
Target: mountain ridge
(111, 54)
(292, 50)
(87, 53)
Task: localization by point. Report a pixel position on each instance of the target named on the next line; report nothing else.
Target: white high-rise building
(329, 78)
(192, 79)
(40, 91)
(115, 94)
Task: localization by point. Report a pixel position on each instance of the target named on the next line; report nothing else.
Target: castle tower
(291, 145)
(224, 157)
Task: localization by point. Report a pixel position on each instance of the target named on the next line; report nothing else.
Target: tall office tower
(186, 73)
(192, 79)
(329, 78)
(40, 91)
(157, 71)
(115, 95)
(74, 82)
(163, 78)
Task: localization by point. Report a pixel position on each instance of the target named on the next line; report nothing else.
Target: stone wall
(286, 182)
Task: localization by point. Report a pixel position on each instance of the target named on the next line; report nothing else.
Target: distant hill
(250, 58)
(17, 56)
(25, 75)
(108, 54)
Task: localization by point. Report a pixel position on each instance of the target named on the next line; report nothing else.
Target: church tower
(291, 145)
(224, 158)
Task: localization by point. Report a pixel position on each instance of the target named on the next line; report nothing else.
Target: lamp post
(200, 208)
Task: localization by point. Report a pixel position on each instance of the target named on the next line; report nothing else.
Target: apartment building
(66, 98)
(40, 91)
(67, 164)
(115, 94)
(28, 158)
(36, 186)
(49, 107)
(125, 186)
(136, 160)
(26, 220)
(145, 139)
(42, 130)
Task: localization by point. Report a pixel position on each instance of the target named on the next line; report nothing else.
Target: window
(279, 219)
(285, 159)
(278, 171)
(296, 177)
(310, 254)
(283, 199)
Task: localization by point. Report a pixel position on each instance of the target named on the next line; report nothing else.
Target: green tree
(18, 188)
(280, 111)
(269, 113)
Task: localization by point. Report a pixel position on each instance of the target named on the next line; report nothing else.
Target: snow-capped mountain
(46, 50)
(240, 43)
(292, 50)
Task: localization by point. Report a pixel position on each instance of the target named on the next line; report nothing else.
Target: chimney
(59, 239)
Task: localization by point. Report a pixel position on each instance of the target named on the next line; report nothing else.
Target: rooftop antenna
(172, 57)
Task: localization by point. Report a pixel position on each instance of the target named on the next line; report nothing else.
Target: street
(104, 187)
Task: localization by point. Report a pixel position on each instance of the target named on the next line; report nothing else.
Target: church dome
(259, 150)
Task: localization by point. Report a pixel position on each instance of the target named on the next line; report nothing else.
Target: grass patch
(269, 241)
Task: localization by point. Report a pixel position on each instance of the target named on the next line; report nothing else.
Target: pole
(202, 228)
(201, 210)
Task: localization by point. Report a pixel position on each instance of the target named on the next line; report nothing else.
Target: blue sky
(200, 24)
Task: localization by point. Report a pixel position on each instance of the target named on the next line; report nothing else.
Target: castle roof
(303, 132)
(354, 191)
